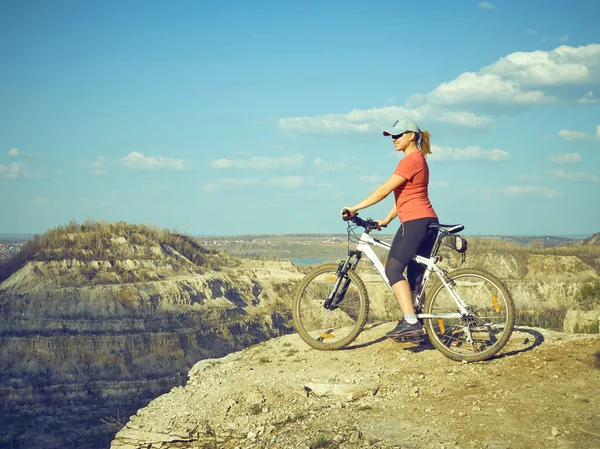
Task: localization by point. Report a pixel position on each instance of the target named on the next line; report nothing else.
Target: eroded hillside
(542, 391)
(99, 319)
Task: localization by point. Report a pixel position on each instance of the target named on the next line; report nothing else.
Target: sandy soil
(542, 391)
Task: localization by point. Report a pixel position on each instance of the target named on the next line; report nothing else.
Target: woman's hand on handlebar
(381, 224)
(348, 212)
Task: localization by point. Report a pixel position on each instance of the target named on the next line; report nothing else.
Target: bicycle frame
(468, 315)
(365, 245)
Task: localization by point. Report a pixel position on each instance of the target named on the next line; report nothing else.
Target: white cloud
(528, 177)
(564, 38)
(332, 124)
(371, 179)
(326, 185)
(530, 190)
(40, 201)
(331, 166)
(472, 88)
(484, 193)
(259, 163)
(598, 132)
(531, 31)
(469, 153)
(286, 182)
(372, 120)
(137, 161)
(12, 170)
(222, 163)
(17, 169)
(478, 194)
(588, 99)
(99, 167)
(565, 158)
(230, 183)
(486, 5)
(571, 136)
(441, 184)
(575, 176)
(292, 182)
(519, 79)
(15, 152)
(563, 65)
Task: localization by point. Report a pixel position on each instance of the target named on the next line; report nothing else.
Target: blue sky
(261, 117)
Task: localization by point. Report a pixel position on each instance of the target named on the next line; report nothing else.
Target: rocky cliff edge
(543, 391)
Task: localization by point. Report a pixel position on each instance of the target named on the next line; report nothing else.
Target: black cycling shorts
(413, 237)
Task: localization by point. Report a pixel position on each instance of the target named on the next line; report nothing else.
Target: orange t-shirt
(412, 199)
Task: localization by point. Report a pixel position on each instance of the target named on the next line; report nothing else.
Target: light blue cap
(401, 126)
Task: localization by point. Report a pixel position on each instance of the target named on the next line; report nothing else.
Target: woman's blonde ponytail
(425, 146)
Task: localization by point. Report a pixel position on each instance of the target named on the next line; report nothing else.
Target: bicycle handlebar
(368, 224)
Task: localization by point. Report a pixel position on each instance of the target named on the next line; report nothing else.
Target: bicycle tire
(315, 324)
(491, 320)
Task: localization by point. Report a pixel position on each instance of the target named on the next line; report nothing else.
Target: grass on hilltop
(93, 241)
(587, 253)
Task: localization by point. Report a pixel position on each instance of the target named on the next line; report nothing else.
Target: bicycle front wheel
(486, 327)
(323, 328)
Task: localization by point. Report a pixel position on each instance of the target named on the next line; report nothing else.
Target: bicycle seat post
(438, 241)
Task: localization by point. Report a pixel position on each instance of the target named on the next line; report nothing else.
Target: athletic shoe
(403, 329)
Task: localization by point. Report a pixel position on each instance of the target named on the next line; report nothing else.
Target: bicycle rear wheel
(484, 330)
(327, 329)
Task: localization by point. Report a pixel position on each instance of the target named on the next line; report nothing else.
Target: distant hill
(107, 242)
(593, 240)
(96, 319)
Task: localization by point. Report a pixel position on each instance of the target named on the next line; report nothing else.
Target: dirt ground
(542, 391)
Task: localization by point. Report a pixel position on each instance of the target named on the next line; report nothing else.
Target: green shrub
(552, 319)
(589, 296)
(590, 328)
(322, 442)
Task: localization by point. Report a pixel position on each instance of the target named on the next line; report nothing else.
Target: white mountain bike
(468, 314)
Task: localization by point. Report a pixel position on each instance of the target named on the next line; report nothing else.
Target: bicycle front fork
(343, 281)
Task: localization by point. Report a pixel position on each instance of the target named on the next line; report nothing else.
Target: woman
(409, 183)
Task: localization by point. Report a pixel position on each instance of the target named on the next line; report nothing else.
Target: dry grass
(101, 241)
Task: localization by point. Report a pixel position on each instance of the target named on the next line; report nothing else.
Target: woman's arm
(390, 216)
(378, 194)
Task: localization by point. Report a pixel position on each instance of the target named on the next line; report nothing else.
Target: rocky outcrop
(532, 271)
(543, 287)
(380, 394)
(83, 341)
(86, 340)
(593, 240)
(582, 322)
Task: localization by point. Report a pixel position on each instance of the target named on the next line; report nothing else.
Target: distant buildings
(7, 249)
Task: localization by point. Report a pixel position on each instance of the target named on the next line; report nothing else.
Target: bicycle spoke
(484, 329)
(337, 325)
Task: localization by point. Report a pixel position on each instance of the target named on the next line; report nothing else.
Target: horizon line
(568, 236)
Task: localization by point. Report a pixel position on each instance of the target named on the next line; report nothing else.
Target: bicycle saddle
(449, 229)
